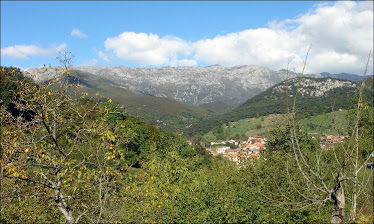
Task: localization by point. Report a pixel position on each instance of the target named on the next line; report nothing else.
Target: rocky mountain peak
(312, 87)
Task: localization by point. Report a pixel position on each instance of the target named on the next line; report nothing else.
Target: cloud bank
(25, 51)
(148, 49)
(341, 35)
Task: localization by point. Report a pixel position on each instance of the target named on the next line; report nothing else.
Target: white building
(222, 150)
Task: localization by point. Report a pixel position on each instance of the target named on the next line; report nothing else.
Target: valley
(186, 112)
(194, 100)
(152, 145)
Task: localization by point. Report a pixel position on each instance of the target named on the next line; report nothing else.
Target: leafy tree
(10, 78)
(8, 84)
(279, 139)
(61, 155)
(336, 175)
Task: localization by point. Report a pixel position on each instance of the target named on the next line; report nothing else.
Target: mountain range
(196, 85)
(192, 85)
(178, 97)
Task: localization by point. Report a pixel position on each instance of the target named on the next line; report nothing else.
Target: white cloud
(145, 49)
(341, 34)
(103, 56)
(263, 46)
(25, 51)
(78, 33)
(184, 62)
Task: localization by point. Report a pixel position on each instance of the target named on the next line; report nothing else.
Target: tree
(68, 153)
(279, 139)
(344, 163)
(9, 79)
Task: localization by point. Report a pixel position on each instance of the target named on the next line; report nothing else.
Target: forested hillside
(314, 96)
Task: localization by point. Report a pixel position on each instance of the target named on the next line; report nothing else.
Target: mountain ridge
(198, 85)
(192, 92)
(315, 96)
(192, 84)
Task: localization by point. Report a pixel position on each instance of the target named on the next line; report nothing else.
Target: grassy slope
(334, 123)
(330, 123)
(248, 127)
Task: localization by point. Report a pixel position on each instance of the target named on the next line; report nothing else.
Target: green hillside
(276, 100)
(217, 107)
(244, 128)
(334, 123)
(162, 112)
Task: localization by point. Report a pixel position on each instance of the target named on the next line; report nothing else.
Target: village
(240, 151)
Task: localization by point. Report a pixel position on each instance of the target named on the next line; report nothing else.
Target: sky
(275, 34)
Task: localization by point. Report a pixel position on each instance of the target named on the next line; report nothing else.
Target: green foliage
(10, 78)
(364, 124)
(8, 83)
(117, 168)
(280, 140)
(275, 176)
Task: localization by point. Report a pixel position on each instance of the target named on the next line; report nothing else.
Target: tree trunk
(339, 204)
(67, 214)
(63, 207)
(354, 201)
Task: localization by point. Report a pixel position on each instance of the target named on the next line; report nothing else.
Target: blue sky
(169, 33)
